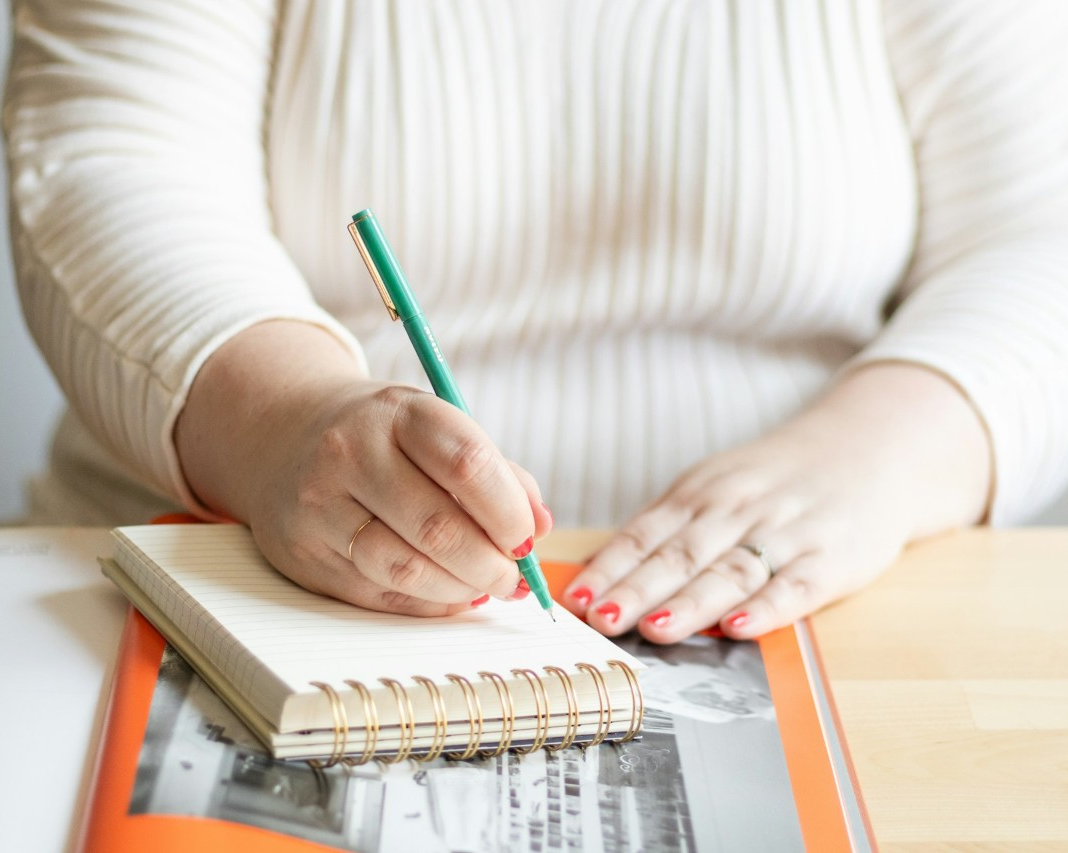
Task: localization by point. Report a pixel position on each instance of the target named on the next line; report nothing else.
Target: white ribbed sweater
(645, 230)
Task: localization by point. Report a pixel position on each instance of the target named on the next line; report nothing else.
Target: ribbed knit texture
(644, 230)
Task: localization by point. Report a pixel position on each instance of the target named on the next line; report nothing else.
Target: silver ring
(760, 551)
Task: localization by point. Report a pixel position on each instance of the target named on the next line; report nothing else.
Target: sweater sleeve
(984, 89)
(141, 228)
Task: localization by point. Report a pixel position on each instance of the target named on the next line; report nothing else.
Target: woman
(775, 289)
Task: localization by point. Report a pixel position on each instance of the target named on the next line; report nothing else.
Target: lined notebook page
(213, 583)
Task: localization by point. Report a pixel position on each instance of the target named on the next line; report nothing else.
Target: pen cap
(383, 266)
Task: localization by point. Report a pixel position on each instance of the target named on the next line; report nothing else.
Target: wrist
(929, 444)
(250, 397)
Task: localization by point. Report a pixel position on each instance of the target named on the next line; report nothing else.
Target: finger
(543, 520)
(627, 548)
(346, 528)
(456, 454)
(431, 521)
(358, 587)
(320, 568)
(733, 578)
(798, 588)
(674, 565)
(543, 516)
(385, 559)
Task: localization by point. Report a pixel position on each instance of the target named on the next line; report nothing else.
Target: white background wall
(29, 398)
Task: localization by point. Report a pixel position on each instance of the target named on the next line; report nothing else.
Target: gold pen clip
(373, 270)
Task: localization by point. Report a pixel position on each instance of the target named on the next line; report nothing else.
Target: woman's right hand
(283, 432)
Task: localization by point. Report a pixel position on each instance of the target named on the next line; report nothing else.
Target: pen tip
(552, 616)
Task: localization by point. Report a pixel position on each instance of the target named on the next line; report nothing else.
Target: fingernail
(545, 507)
(738, 619)
(482, 599)
(522, 590)
(610, 611)
(659, 619)
(524, 549)
(583, 595)
(714, 631)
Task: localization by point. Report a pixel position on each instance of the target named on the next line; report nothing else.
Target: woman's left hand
(756, 537)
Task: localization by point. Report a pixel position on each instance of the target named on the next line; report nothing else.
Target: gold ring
(760, 551)
(359, 530)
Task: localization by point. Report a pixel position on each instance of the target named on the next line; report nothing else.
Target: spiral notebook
(318, 679)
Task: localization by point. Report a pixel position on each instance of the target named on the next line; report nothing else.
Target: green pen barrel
(393, 285)
(426, 347)
(407, 307)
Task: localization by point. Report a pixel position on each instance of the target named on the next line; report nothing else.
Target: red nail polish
(524, 549)
(738, 619)
(482, 599)
(610, 611)
(714, 631)
(545, 507)
(659, 619)
(522, 590)
(583, 595)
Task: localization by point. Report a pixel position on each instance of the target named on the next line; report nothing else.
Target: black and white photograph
(707, 774)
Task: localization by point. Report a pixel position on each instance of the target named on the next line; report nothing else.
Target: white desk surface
(60, 622)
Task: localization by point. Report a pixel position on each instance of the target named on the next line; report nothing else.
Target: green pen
(393, 286)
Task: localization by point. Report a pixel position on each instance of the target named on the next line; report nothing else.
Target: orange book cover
(829, 810)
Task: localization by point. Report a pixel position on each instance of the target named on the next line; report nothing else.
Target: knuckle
(441, 533)
(393, 601)
(312, 492)
(473, 464)
(503, 578)
(392, 406)
(408, 574)
(737, 491)
(335, 445)
(799, 586)
(742, 576)
(392, 399)
(315, 481)
(637, 540)
(688, 601)
(677, 509)
(787, 508)
(679, 556)
(737, 575)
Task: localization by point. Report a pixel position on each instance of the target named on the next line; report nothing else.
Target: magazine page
(708, 773)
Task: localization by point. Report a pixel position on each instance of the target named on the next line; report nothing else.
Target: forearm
(919, 430)
(142, 237)
(263, 382)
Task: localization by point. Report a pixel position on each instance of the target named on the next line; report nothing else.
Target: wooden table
(950, 674)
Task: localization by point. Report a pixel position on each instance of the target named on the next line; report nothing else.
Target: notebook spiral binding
(340, 752)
